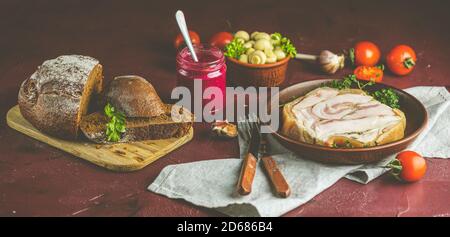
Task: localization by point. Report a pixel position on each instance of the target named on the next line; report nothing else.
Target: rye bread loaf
(135, 97)
(57, 95)
(147, 117)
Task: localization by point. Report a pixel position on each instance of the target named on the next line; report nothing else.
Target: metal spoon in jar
(184, 31)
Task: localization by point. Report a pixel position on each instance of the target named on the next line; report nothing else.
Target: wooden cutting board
(117, 157)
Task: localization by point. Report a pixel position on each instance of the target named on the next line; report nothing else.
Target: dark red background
(135, 37)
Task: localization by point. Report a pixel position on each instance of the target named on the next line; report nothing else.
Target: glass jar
(210, 70)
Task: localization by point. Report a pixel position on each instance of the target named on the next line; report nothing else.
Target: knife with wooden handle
(247, 175)
(276, 177)
(270, 166)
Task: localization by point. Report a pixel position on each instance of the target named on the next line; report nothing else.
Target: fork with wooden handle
(247, 175)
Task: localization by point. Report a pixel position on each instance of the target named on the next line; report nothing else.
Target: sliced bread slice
(160, 127)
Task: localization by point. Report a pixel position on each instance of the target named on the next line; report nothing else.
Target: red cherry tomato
(401, 60)
(221, 39)
(179, 40)
(369, 73)
(366, 54)
(409, 166)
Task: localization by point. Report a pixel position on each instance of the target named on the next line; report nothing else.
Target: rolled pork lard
(342, 118)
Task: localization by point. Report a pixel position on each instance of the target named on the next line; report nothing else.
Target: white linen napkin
(212, 183)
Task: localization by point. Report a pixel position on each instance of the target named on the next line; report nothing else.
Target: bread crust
(135, 97)
(50, 99)
(291, 129)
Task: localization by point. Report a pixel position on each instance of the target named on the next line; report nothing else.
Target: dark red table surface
(131, 37)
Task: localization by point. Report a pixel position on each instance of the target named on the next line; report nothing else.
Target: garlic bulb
(328, 61)
(257, 57)
(224, 129)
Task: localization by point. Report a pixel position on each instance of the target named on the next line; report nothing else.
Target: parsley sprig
(234, 49)
(116, 125)
(347, 82)
(386, 96)
(285, 44)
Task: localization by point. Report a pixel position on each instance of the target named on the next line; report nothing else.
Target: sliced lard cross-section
(371, 109)
(339, 106)
(365, 136)
(316, 96)
(324, 130)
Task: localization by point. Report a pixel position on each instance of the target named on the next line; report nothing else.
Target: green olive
(271, 57)
(249, 44)
(263, 44)
(257, 57)
(275, 42)
(249, 51)
(262, 35)
(275, 37)
(242, 34)
(279, 54)
(268, 52)
(254, 34)
(243, 58)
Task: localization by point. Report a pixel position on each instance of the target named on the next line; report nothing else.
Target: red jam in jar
(210, 70)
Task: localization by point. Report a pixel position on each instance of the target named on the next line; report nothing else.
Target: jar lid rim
(184, 55)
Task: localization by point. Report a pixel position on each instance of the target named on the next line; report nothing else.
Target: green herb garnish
(285, 44)
(348, 144)
(387, 97)
(116, 125)
(235, 48)
(347, 82)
